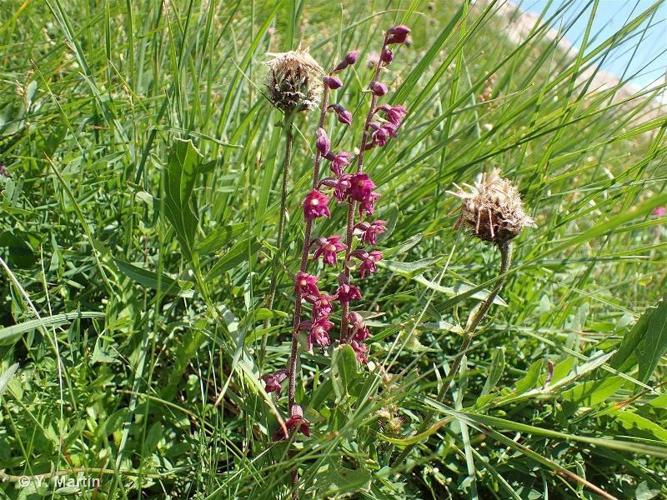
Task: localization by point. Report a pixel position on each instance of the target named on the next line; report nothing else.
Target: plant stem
(351, 205)
(288, 125)
(303, 266)
(469, 332)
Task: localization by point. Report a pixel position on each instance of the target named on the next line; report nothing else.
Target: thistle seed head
(294, 82)
(492, 209)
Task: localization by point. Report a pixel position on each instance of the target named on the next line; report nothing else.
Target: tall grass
(138, 237)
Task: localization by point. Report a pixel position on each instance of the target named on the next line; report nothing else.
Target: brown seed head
(492, 209)
(294, 82)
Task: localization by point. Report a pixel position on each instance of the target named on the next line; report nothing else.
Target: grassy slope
(94, 95)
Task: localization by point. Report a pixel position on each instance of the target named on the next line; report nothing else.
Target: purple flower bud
(323, 144)
(333, 82)
(361, 187)
(351, 57)
(390, 128)
(306, 284)
(341, 66)
(397, 34)
(360, 331)
(343, 115)
(322, 305)
(394, 114)
(341, 187)
(380, 136)
(387, 55)
(378, 88)
(319, 333)
(369, 232)
(367, 206)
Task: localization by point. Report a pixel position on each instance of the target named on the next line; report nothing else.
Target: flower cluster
(357, 191)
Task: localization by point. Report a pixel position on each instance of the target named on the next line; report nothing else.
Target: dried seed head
(492, 209)
(294, 81)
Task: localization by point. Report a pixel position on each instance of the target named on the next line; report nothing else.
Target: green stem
(288, 126)
(469, 332)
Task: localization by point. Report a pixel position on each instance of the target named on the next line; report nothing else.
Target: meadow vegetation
(145, 294)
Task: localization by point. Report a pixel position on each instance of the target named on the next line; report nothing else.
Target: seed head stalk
(468, 334)
(288, 128)
(351, 204)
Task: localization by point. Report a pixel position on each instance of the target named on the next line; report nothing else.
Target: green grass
(135, 264)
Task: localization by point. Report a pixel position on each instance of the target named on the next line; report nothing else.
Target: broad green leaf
(653, 344)
(624, 357)
(334, 479)
(220, 237)
(321, 394)
(237, 254)
(593, 392)
(659, 402)
(408, 268)
(100, 355)
(458, 290)
(443, 325)
(149, 279)
(562, 369)
(403, 247)
(179, 205)
(632, 421)
(343, 369)
(531, 378)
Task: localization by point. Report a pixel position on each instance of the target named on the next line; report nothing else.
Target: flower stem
(345, 309)
(469, 332)
(294, 351)
(303, 266)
